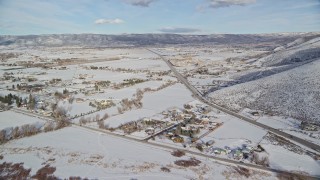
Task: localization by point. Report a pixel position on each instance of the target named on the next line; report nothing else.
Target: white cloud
(143, 3)
(109, 21)
(178, 30)
(227, 3)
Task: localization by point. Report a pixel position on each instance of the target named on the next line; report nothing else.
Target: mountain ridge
(105, 40)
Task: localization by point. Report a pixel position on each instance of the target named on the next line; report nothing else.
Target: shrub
(165, 169)
(242, 171)
(263, 161)
(45, 172)
(48, 127)
(105, 116)
(290, 176)
(188, 163)
(101, 124)
(13, 171)
(178, 153)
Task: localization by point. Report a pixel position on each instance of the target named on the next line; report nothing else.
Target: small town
(159, 89)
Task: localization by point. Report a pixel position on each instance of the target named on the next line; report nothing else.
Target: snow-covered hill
(299, 51)
(98, 40)
(294, 93)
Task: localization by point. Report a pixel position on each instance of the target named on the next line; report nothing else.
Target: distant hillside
(298, 52)
(98, 40)
(294, 93)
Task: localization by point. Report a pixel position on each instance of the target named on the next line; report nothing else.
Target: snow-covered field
(234, 133)
(290, 126)
(101, 75)
(173, 96)
(12, 119)
(153, 103)
(281, 158)
(124, 92)
(79, 152)
(136, 64)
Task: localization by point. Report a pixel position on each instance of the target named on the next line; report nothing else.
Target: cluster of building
(191, 121)
(238, 153)
(149, 125)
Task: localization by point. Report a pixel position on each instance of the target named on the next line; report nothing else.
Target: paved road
(28, 113)
(199, 96)
(213, 158)
(161, 131)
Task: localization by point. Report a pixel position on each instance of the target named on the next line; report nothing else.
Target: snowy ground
(290, 126)
(10, 119)
(78, 152)
(233, 133)
(75, 151)
(292, 93)
(281, 158)
(136, 64)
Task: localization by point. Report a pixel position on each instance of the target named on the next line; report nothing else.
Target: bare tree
(49, 127)
(105, 116)
(82, 121)
(71, 99)
(263, 161)
(15, 132)
(101, 124)
(2, 136)
(120, 111)
(97, 117)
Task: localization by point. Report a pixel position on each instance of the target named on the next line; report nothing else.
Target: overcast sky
(20, 17)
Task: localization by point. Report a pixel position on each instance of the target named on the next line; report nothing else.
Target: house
(238, 155)
(220, 151)
(228, 149)
(187, 130)
(148, 121)
(149, 131)
(23, 84)
(210, 143)
(46, 113)
(169, 134)
(214, 123)
(175, 112)
(105, 102)
(246, 151)
(255, 113)
(206, 109)
(187, 106)
(79, 100)
(178, 139)
(187, 116)
(258, 148)
(165, 113)
(40, 102)
(205, 120)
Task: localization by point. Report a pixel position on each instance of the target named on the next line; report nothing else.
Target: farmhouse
(187, 130)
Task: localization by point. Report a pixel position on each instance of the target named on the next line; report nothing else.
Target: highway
(199, 96)
(211, 157)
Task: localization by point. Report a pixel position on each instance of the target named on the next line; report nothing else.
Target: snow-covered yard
(10, 119)
(79, 152)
